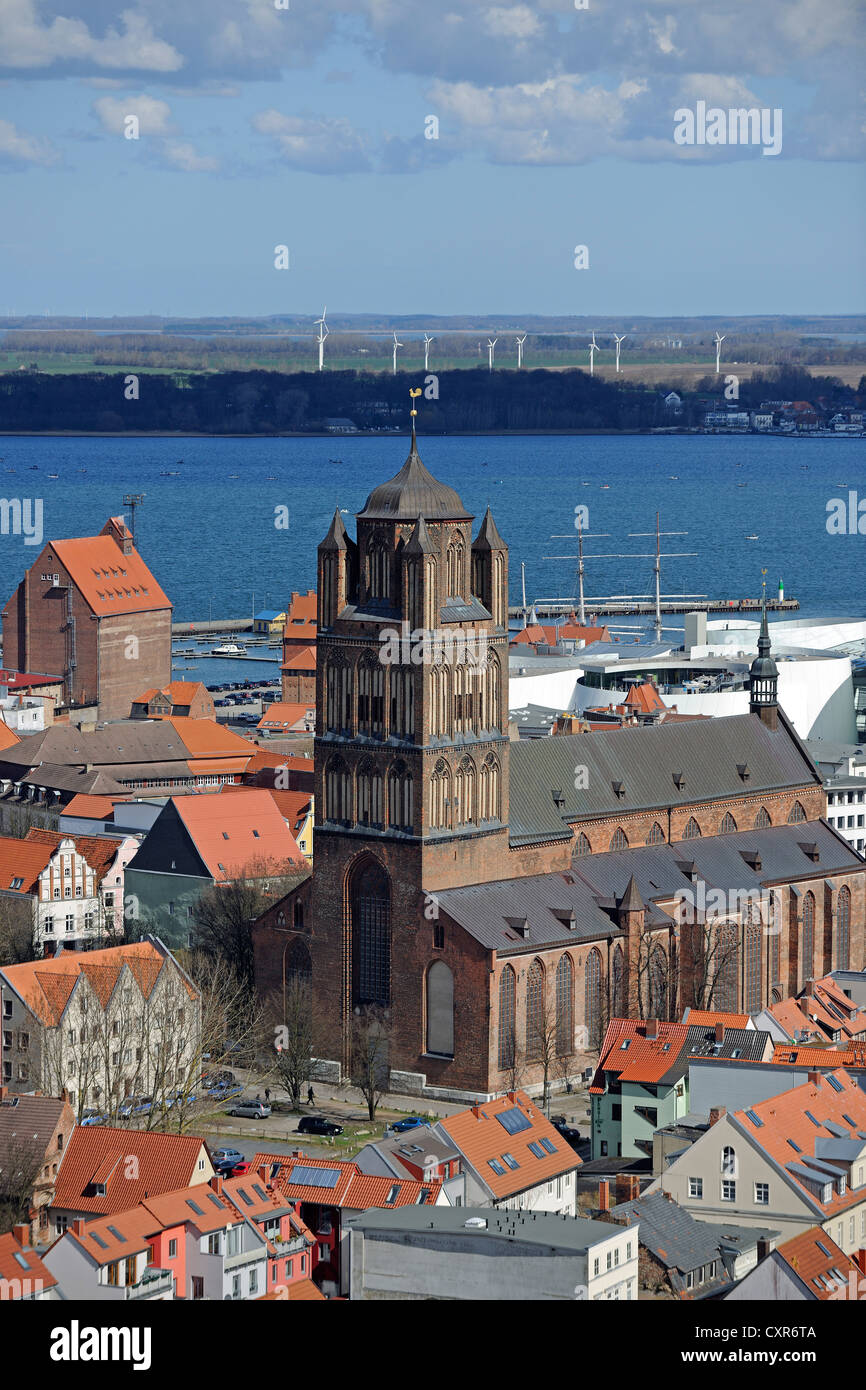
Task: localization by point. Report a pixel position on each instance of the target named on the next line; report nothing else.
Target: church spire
(764, 674)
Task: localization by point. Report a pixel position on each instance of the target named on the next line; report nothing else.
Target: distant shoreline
(451, 434)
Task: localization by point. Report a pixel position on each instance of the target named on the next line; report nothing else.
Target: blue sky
(305, 126)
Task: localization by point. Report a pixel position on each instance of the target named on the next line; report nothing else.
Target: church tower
(411, 752)
(764, 678)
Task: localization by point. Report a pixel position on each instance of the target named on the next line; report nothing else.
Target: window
(172, 1249)
(595, 1266)
(729, 1161)
(616, 1255)
(762, 1194)
(808, 943)
(214, 1245)
(440, 1010)
(506, 1018)
(535, 1010)
(564, 1007)
(696, 1188)
(729, 1190)
(619, 839)
(692, 830)
(303, 1264)
(254, 1280)
(628, 1249)
(610, 1259)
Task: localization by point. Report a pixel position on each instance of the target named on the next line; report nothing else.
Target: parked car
(135, 1105)
(251, 1110)
(239, 1168)
(411, 1122)
(570, 1135)
(225, 1091)
(224, 1160)
(93, 1117)
(178, 1098)
(317, 1124)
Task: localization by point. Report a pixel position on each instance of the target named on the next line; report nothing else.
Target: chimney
(807, 1003)
(764, 1248)
(476, 1110)
(216, 1183)
(720, 1032)
(815, 1079)
(512, 1096)
(22, 1234)
(652, 1028)
(716, 1114)
(78, 1226)
(264, 1172)
(603, 1195)
(4, 1091)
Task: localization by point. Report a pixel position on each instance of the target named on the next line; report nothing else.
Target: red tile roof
(353, 1189)
(24, 860)
(8, 737)
(645, 1059)
(300, 659)
(480, 1137)
(176, 1207)
(795, 1054)
(287, 716)
(109, 581)
(826, 1273)
(786, 1117)
(205, 738)
(92, 807)
(304, 1290)
(45, 985)
(294, 807)
(100, 851)
(13, 1273)
(164, 1163)
(644, 697)
(178, 692)
(234, 833)
(696, 1018)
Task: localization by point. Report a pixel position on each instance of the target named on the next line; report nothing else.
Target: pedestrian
(258, 1098)
(311, 1096)
(267, 1096)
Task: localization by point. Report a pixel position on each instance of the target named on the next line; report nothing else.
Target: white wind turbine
(491, 351)
(593, 349)
(520, 342)
(618, 341)
(323, 333)
(720, 338)
(396, 346)
(427, 342)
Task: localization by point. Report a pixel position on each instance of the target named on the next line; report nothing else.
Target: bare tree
(657, 982)
(26, 817)
(294, 1039)
(222, 917)
(547, 1046)
(369, 1055)
(17, 930)
(715, 952)
(20, 1167)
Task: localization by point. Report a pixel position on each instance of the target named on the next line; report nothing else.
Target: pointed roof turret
(419, 543)
(336, 538)
(488, 537)
(631, 900)
(764, 667)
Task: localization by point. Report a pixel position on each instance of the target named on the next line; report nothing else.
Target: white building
(74, 886)
(843, 767)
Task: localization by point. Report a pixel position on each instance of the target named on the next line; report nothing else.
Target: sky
(307, 124)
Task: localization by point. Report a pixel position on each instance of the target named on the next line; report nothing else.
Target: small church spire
(764, 673)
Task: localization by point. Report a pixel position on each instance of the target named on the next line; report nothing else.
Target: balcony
(154, 1283)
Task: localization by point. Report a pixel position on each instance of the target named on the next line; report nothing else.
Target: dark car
(317, 1124)
(570, 1135)
(411, 1122)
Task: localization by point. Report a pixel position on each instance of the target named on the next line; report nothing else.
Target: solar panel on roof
(514, 1121)
(835, 1083)
(116, 1233)
(195, 1206)
(314, 1177)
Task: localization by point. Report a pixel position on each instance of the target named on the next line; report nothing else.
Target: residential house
(491, 1255)
(283, 717)
(292, 1247)
(299, 676)
(641, 1083)
(177, 699)
(418, 1154)
(107, 858)
(110, 1259)
(808, 1268)
(821, 1012)
(325, 1192)
(791, 1162)
(689, 1258)
(24, 1278)
(269, 623)
(101, 1025)
(511, 1156)
(220, 1253)
(297, 810)
(197, 842)
(105, 1171)
(35, 1131)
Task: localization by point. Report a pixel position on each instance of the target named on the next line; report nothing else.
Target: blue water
(211, 541)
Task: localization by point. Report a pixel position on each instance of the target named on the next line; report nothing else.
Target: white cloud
(26, 42)
(318, 145)
(154, 116)
(181, 155)
(20, 148)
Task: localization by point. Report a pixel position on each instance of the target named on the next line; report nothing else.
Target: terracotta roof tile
(24, 860)
(353, 1189)
(707, 1017)
(109, 581)
(12, 1270)
(223, 831)
(819, 1267)
(100, 851)
(284, 715)
(481, 1137)
(92, 807)
(176, 1207)
(45, 985)
(7, 736)
(166, 1163)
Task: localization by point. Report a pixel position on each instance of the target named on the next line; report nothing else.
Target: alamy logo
(422, 646)
(22, 516)
(718, 904)
(737, 126)
(77, 1343)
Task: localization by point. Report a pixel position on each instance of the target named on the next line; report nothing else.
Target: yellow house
(269, 623)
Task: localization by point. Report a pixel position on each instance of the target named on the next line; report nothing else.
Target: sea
(236, 530)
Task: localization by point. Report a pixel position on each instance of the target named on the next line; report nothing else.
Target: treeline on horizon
(472, 401)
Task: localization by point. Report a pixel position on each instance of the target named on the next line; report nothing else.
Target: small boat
(54, 475)
(742, 484)
(35, 466)
(674, 477)
(228, 649)
(169, 473)
(335, 460)
(234, 475)
(752, 538)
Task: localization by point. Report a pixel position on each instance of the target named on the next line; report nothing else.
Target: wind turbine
(520, 342)
(323, 333)
(491, 351)
(720, 338)
(618, 341)
(396, 346)
(593, 349)
(427, 342)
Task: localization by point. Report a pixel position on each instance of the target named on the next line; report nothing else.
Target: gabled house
(105, 1171)
(109, 1259)
(291, 1245)
(220, 1252)
(808, 1268)
(324, 1192)
(790, 1162)
(72, 886)
(34, 1133)
(511, 1156)
(641, 1083)
(24, 1278)
(821, 1013)
(181, 699)
(418, 1154)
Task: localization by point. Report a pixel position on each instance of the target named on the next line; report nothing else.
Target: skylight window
(625, 1044)
(535, 1148)
(756, 1119)
(835, 1083)
(393, 1194)
(510, 1160)
(546, 1144)
(497, 1167)
(810, 1116)
(514, 1121)
(795, 1147)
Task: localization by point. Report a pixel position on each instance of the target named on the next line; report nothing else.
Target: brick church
(498, 901)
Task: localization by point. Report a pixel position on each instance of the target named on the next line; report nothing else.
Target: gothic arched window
(535, 1020)
(464, 792)
(728, 825)
(797, 814)
(582, 846)
(379, 569)
(564, 1007)
(656, 835)
(370, 899)
(371, 697)
(507, 992)
(454, 567)
(619, 839)
(808, 949)
(370, 808)
(692, 830)
(592, 999)
(752, 972)
(338, 792)
(618, 983)
(727, 968)
(843, 929)
(400, 798)
(657, 994)
(440, 797)
(440, 1010)
(762, 819)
